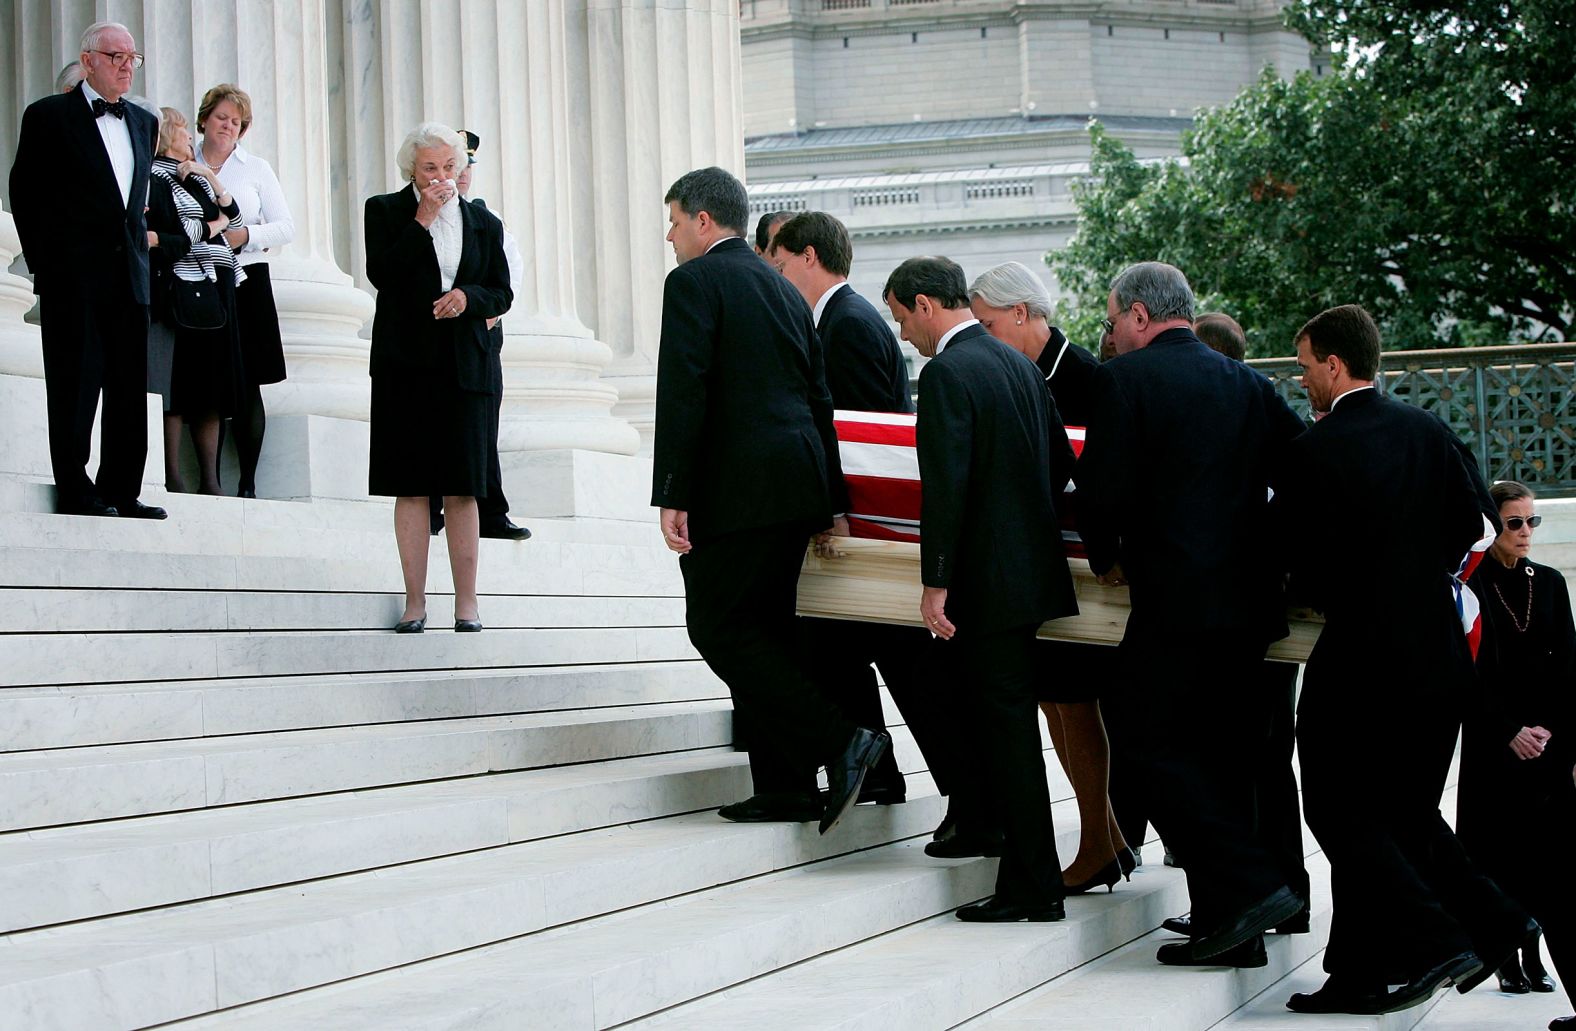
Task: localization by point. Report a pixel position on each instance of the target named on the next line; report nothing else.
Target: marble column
(274, 50)
(501, 71)
(657, 84)
(19, 346)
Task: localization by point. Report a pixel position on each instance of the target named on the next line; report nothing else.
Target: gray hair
(423, 137)
(94, 34)
(1012, 283)
(68, 78)
(1157, 286)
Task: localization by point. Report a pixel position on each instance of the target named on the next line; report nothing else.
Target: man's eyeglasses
(1106, 326)
(1515, 523)
(119, 58)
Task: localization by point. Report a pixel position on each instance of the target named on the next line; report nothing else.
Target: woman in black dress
(198, 371)
(1516, 801)
(439, 267)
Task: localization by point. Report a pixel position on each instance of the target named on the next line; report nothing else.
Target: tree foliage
(1427, 177)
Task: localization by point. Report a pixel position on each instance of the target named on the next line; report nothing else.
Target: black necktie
(102, 107)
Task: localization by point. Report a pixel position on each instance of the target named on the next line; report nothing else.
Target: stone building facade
(957, 126)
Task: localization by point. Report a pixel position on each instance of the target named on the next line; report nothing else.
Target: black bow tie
(102, 107)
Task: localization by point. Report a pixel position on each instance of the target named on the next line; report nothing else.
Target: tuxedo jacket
(1379, 502)
(403, 264)
(79, 236)
(1068, 372)
(744, 436)
(1174, 481)
(864, 365)
(993, 459)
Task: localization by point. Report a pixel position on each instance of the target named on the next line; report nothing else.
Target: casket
(874, 575)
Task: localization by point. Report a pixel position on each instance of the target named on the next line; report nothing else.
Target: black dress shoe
(1249, 954)
(1563, 1024)
(846, 774)
(966, 846)
(774, 808)
(85, 507)
(1335, 998)
(1128, 860)
(993, 911)
(1171, 860)
(1511, 980)
(1297, 924)
(247, 492)
(948, 825)
(467, 626)
(1538, 978)
(506, 531)
(1280, 904)
(411, 626)
(1182, 925)
(1106, 877)
(1456, 970)
(135, 509)
(882, 794)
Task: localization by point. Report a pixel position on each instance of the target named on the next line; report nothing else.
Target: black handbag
(196, 305)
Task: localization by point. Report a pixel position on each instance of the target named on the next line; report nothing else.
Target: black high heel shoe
(1107, 877)
(1127, 861)
(411, 626)
(467, 626)
(1538, 979)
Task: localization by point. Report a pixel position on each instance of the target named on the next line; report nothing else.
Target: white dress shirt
(448, 240)
(117, 143)
(251, 181)
(820, 306)
(1348, 393)
(946, 338)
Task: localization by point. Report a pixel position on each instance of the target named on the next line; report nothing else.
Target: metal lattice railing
(1512, 405)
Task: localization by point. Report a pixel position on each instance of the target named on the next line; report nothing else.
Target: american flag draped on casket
(876, 576)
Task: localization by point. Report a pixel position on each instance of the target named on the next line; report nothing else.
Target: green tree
(1425, 178)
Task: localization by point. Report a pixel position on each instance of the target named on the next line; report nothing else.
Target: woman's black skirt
(427, 437)
(262, 351)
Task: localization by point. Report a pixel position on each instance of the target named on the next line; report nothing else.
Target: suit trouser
(1277, 805)
(999, 707)
(740, 595)
(1183, 717)
(492, 510)
(95, 345)
(1406, 895)
(840, 653)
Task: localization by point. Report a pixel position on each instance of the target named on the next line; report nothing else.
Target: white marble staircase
(230, 798)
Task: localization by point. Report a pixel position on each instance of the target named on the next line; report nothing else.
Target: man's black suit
(87, 248)
(745, 445)
(1385, 686)
(988, 534)
(1173, 484)
(865, 370)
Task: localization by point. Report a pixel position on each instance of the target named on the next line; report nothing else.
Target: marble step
(1127, 990)
(538, 567)
(73, 716)
(936, 973)
(146, 968)
(608, 970)
(89, 610)
(76, 873)
(38, 659)
(79, 785)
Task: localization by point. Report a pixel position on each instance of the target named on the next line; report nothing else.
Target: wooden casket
(874, 575)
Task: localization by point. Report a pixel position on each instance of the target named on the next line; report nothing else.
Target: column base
(588, 484)
(24, 433)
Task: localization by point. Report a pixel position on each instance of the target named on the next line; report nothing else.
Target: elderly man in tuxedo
(1386, 684)
(1173, 499)
(745, 471)
(993, 457)
(78, 190)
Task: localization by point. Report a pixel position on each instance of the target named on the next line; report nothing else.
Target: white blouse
(251, 181)
(448, 239)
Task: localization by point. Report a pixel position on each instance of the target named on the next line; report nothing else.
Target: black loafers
(995, 911)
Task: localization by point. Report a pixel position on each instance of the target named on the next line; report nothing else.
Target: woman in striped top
(189, 210)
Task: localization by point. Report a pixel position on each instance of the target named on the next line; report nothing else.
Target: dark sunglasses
(1514, 522)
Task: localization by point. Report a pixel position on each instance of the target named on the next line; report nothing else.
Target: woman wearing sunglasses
(1516, 805)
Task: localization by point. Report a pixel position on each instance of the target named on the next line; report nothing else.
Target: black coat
(1390, 483)
(1069, 378)
(403, 264)
(994, 459)
(744, 436)
(1173, 482)
(78, 235)
(864, 365)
